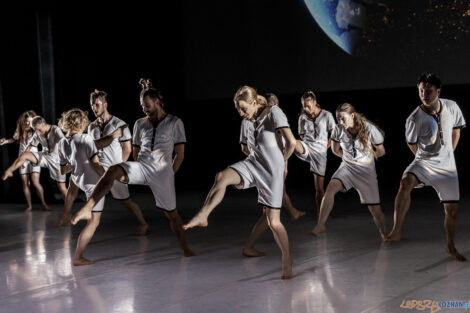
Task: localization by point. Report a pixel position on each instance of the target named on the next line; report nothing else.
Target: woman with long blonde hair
(358, 142)
(24, 136)
(263, 168)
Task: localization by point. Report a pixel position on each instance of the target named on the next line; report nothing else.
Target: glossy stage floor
(348, 269)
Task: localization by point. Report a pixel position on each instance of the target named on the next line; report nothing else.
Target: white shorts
(100, 205)
(269, 186)
(444, 181)
(29, 168)
(317, 160)
(364, 181)
(161, 181)
(52, 163)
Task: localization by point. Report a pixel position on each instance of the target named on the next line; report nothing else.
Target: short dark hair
(272, 99)
(429, 78)
(308, 95)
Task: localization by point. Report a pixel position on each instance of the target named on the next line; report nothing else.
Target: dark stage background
(198, 54)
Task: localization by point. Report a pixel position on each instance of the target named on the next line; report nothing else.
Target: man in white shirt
(432, 134)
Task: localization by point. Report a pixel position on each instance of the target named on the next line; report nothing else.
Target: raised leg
(223, 179)
(84, 238)
(39, 190)
(282, 240)
(402, 204)
(103, 187)
(177, 227)
(450, 225)
(327, 205)
(25, 156)
(135, 209)
(260, 227)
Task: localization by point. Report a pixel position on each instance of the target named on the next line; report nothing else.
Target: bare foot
(297, 214)
(393, 236)
(317, 230)
(252, 252)
(286, 269)
(64, 220)
(7, 174)
(452, 251)
(28, 209)
(142, 230)
(199, 220)
(188, 253)
(46, 207)
(83, 214)
(82, 261)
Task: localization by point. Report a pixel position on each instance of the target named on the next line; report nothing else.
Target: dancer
(357, 141)
(261, 225)
(48, 136)
(24, 136)
(112, 152)
(155, 138)
(315, 127)
(432, 134)
(79, 156)
(263, 168)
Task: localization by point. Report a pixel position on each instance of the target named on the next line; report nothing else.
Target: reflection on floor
(347, 269)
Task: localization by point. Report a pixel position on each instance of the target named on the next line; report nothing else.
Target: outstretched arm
(179, 157)
(7, 141)
(455, 137)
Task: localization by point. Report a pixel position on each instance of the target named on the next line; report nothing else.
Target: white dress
(264, 167)
(316, 133)
(357, 169)
(78, 151)
(49, 156)
(154, 165)
(112, 154)
(434, 163)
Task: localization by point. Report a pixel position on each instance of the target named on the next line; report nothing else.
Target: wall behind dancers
(199, 66)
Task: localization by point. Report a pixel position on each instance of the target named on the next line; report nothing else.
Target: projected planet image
(357, 25)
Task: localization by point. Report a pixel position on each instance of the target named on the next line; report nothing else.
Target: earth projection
(356, 26)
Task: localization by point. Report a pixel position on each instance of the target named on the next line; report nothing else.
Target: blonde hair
(21, 131)
(249, 94)
(74, 120)
(360, 120)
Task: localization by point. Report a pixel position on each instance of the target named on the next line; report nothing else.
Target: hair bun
(146, 84)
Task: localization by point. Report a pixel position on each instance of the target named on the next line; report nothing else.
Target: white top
(111, 154)
(316, 132)
(354, 153)
(157, 142)
(265, 147)
(50, 142)
(77, 151)
(423, 129)
(26, 143)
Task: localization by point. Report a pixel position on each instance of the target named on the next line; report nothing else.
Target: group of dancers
(98, 161)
